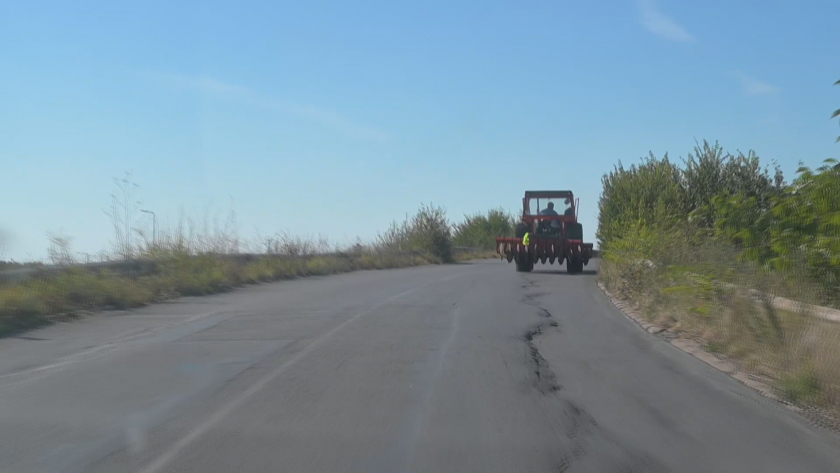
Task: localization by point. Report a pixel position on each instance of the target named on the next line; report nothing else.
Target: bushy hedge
(658, 192)
(735, 201)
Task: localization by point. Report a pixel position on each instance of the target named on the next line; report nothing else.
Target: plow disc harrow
(574, 253)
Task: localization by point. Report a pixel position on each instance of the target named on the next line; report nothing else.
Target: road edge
(811, 415)
(696, 350)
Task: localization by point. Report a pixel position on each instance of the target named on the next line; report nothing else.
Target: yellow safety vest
(526, 239)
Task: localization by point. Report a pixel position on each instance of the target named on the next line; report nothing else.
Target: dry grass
(36, 301)
(190, 259)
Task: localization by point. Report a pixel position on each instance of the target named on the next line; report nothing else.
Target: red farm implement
(546, 235)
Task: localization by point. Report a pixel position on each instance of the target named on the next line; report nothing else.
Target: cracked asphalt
(462, 368)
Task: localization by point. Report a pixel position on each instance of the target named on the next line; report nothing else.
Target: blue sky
(336, 118)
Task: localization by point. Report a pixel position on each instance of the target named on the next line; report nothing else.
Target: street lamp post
(154, 225)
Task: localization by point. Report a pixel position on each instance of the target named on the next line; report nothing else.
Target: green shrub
(428, 231)
(802, 386)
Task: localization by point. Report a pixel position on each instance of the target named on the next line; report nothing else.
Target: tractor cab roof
(548, 194)
(537, 201)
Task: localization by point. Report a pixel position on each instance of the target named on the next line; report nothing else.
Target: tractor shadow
(562, 272)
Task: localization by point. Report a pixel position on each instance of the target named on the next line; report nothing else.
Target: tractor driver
(549, 210)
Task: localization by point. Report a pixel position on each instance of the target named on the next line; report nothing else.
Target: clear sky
(336, 118)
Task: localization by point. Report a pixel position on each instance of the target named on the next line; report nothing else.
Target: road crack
(546, 380)
(584, 443)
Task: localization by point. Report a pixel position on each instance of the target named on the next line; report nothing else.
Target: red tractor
(545, 234)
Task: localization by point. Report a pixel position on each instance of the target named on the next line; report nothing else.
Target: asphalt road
(462, 368)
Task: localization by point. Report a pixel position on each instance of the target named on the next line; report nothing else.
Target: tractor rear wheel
(521, 229)
(574, 265)
(525, 266)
